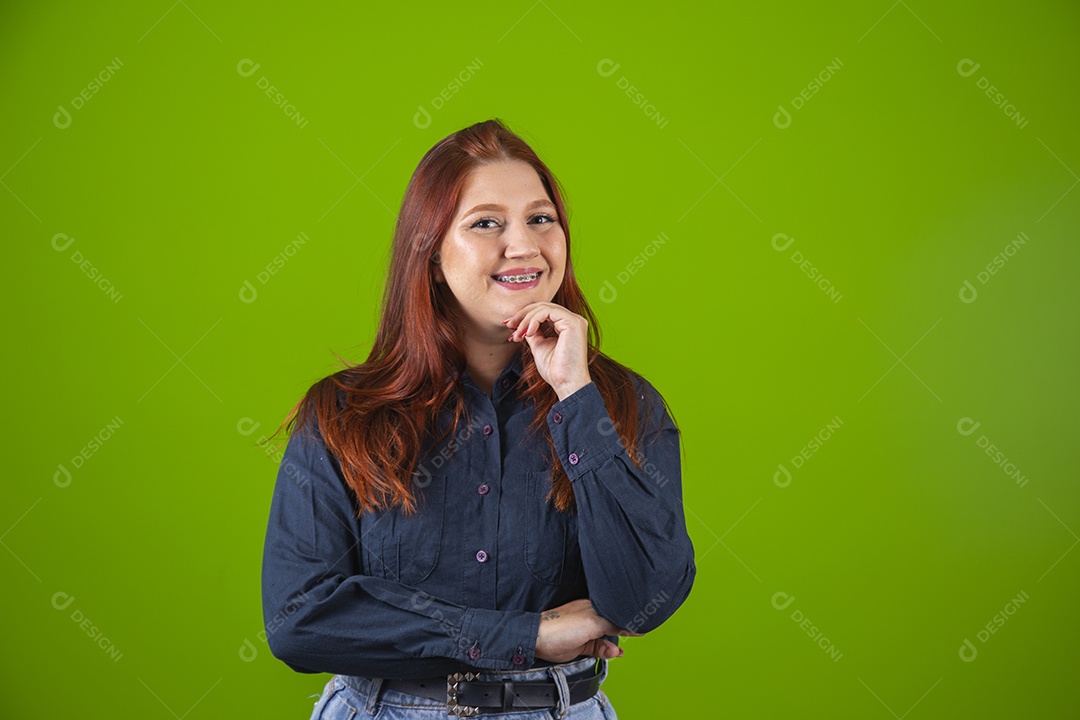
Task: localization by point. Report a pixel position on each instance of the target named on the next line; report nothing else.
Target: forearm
(636, 553)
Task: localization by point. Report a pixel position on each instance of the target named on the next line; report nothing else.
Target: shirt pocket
(552, 554)
(405, 548)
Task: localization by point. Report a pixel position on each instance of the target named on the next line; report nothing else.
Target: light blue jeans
(359, 698)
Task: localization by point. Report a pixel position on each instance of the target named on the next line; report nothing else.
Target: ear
(439, 277)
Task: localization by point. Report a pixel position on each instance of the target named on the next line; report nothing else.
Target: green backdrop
(841, 240)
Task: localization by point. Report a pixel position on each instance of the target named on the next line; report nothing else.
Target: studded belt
(466, 696)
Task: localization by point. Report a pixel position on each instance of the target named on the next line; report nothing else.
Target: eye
(479, 223)
(547, 219)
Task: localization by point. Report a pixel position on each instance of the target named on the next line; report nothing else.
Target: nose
(520, 243)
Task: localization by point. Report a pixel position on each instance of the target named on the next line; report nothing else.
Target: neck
(486, 358)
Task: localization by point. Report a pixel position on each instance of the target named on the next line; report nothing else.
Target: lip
(519, 271)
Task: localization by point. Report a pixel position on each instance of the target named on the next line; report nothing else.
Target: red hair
(392, 400)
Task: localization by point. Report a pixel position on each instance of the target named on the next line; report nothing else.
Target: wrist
(567, 389)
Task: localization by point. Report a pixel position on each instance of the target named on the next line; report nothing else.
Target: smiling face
(504, 249)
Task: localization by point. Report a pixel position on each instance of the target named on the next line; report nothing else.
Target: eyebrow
(493, 206)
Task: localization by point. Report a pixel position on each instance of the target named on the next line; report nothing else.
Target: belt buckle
(452, 706)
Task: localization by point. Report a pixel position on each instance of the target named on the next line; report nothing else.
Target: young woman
(466, 522)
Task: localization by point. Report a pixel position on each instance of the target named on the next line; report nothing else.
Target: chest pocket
(405, 548)
(552, 554)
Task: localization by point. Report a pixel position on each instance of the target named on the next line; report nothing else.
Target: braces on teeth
(517, 278)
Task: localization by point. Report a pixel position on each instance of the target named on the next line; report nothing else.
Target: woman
(467, 521)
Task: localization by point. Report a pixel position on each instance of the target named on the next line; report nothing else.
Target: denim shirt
(461, 584)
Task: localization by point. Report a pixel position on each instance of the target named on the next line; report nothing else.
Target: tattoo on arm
(549, 615)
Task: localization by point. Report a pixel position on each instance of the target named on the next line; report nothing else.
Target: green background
(899, 538)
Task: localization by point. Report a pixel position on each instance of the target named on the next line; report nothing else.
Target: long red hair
(392, 400)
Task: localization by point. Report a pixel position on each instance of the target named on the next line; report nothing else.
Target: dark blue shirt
(461, 584)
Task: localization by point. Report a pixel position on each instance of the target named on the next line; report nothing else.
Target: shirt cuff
(584, 434)
(499, 640)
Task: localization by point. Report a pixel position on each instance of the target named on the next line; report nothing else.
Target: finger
(524, 326)
(609, 649)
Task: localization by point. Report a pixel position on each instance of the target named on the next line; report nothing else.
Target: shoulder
(651, 403)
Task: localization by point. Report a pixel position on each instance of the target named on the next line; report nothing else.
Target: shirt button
(506, 382)
(557, 417)
(474, 653)
(518, 659)
(481, 557)
(573, 458)
(483, 489)
(487, 429)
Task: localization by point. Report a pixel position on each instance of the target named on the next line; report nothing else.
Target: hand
(559, 341)
(575, 629)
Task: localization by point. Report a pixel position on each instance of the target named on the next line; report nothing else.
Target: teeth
(517, 278)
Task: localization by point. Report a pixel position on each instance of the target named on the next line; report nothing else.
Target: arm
(323, 615)
(637, 555)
